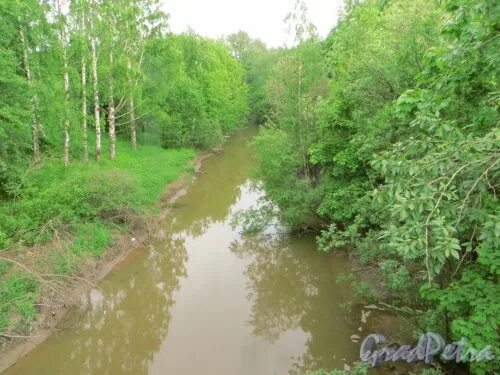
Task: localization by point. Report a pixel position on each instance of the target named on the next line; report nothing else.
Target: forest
(381, 138)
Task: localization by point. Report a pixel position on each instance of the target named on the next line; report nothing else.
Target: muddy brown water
(201, 298)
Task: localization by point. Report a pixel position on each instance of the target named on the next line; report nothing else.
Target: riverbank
(42, 279)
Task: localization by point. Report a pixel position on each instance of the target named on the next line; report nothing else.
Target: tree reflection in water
(124, 326)
(137, 315)
(292, 286)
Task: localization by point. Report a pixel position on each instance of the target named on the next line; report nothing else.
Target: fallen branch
(36, 275)
(13, 336)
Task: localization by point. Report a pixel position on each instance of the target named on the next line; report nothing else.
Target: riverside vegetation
(383, 138)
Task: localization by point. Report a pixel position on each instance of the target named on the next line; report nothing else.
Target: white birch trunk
(84, 111)
(133, 135)
(111, 113)
(62, 39)
(84, 97)
(66, 109)
(34, 100)
(96, 101)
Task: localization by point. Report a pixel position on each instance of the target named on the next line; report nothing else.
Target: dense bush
(53, 196)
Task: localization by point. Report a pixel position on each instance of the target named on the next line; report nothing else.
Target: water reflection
(210, 201)
(126, 320)
(293, 287)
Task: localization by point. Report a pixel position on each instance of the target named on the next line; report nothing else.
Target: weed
(18, 294)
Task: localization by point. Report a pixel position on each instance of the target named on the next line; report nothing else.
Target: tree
(95, 80)
(62, 29)
(80, 10)
(442, 182)
(15, 100)
(204, 98)
(239, 44)
(111, 39)
(35, 126)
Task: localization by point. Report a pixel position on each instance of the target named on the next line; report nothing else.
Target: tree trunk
(84, 111)
(111, 111)
(96, 101)
(66, 109)
(133, 135)
(34, 100)
(84, 99)
(62, 40)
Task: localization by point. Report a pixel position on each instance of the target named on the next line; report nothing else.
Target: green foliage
(18, 294)
(4, 240)
(428, 371)
(54, 197)
(278, 167)
(61, 68)
(257, 63)
(4, 267)
(442, 181)
(188, 88)
(82, 201)
(14, 100)
(397, 276)
(363, 290)
(359, 368)
(92, 238)
(372, 53)
(194, 90)
(334, 127)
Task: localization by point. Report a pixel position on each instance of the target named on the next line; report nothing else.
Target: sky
(262, 19)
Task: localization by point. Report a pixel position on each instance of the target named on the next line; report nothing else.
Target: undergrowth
(82, 205)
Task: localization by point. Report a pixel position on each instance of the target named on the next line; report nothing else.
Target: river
(201, 298)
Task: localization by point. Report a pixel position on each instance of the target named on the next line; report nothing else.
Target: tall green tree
(204, 97)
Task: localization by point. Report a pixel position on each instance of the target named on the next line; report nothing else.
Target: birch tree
(81, 18)
(111, 109)
(95, 81)
(63, 44)
(110, 14)
(35, 126)
(145, 20)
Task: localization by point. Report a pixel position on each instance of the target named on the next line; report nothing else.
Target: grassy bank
(62, 217)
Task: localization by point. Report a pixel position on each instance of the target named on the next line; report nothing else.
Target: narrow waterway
(201, 298)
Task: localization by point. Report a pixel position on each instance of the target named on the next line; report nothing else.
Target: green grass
(54, 196)
(92, 240)
(18, 295)
(83, 202)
